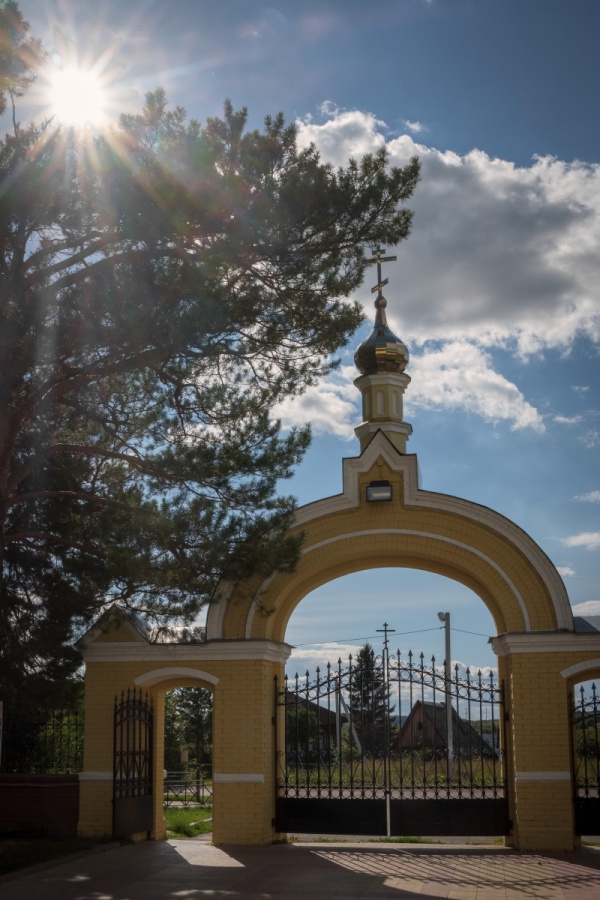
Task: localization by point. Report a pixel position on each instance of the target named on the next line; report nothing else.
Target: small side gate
(132, 775)
(388, 746)
(585, 706)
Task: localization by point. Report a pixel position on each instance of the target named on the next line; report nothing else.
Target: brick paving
(193, 869)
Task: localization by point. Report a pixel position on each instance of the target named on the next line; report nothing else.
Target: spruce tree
(370, 707)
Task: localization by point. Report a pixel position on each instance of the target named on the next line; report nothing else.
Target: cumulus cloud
(415, 127)
(331, 407)
(565, 571)
(457, 375)
(460, 375)
(581, 388)
(501, 257)
(588, 608)
(499, 252)
(588, 539)
(590, 497)
(346, 134)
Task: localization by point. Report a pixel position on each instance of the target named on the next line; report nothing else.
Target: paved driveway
(186, 870)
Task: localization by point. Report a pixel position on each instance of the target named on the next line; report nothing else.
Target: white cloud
(588, 539)
(328, 108)
(325, 406)
(500, 254)
(415, 127)
(460, 375)
(591, 438)
(568, 420)
(347, 133)
(589, 608)
(590, 497)
(303, 658)
(565, 571)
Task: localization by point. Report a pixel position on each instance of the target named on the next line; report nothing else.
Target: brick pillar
(244, 753)
(539, 724)
(95, 785)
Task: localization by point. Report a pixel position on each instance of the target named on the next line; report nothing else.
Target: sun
(77, 97)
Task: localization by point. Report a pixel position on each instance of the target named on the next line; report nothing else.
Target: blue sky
(496, 292)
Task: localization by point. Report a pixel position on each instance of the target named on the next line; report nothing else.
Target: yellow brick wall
(243, 742)
(537, 745)
(372, 550)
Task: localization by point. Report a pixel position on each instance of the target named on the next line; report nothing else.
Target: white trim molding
(168, 672)
(208, 651)
(545, 642)
(239, 779)
(542, 776)
(580, 667)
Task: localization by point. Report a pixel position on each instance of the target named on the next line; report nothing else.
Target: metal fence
(41, 741)
(188, 788)
(585, 706)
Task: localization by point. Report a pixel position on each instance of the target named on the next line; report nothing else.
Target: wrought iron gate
(585, 708)
(132, 775)
(374, 748)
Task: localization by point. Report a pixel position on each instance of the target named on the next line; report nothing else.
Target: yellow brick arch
(416, 529)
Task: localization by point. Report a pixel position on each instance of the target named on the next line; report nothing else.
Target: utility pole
(445, 618)
(386, 759)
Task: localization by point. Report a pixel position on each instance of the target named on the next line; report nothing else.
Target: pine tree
(163, 285)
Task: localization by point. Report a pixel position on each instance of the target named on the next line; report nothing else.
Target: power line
(367, 637)
(478, 633)
(374, 637)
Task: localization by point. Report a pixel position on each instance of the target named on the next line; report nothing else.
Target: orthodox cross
(386, 629)
(379, 258)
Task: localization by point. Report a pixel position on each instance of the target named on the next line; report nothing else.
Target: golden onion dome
(381, 351)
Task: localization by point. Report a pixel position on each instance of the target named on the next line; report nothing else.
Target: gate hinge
(273, 822)
(506, 717)
(273, 720)
(509, 824)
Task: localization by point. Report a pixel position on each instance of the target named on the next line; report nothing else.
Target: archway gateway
(382, 518)
(539, 652)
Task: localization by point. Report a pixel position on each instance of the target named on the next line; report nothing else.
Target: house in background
(311, 726)
(426, 727)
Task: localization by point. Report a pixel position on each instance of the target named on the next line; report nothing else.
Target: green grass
(188, 821)
(18, 852)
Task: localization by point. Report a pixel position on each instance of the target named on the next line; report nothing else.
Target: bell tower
(381, 359)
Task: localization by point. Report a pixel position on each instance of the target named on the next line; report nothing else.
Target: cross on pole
(385, 631)
(379, 258)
